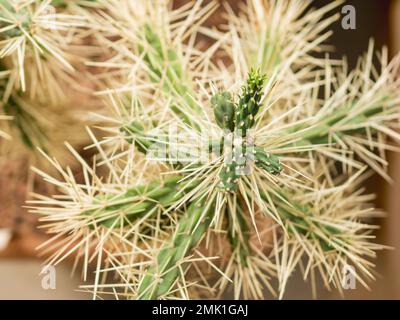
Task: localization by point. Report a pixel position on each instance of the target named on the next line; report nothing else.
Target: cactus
(276, 150)
(240, 120)
(224, 110)
(159, 279)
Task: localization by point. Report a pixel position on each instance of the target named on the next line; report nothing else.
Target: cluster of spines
(249, 102)
(238, 119)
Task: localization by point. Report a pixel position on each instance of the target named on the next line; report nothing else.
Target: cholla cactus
(33, 43)
(232, 167)
(42, 46)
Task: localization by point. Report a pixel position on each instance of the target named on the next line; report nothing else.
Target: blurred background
(20, 265)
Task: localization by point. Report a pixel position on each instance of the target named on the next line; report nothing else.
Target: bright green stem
(224, 110)
(249, 102)
(240, 120)
(138, 201)
(136, 134)
(164, 64)
(160, 278)
(321, 133)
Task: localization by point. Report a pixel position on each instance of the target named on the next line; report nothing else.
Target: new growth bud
(240, 119)
(224, 110)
